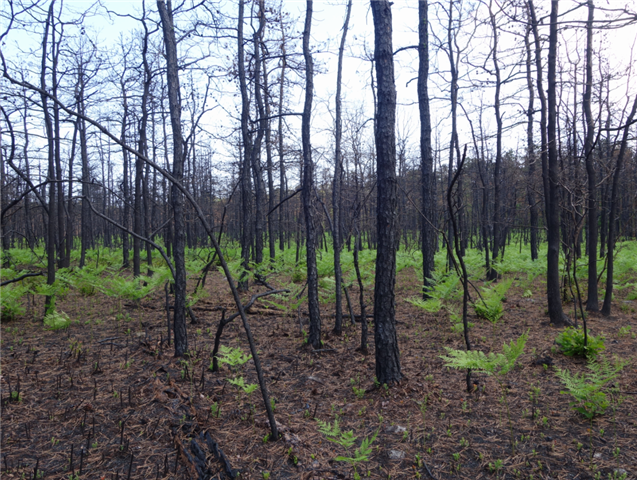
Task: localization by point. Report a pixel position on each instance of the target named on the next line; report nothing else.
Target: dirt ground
(106, 399)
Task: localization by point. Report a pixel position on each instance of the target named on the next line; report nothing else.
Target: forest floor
(104, 399)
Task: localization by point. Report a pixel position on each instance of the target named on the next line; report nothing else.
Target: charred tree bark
(556, 314)
(314, 337)
(497, 202)
(179, 246)
(86, 175)
(49, 302)
(608, 296)
(282, 187)
(427, 231)
(337, 183)
(259, 187)
(63, 261)
(543, 106)
(138, 223)
(246, 190)
(268, 153)
(126, 169)
(530, 147)
(387, 354)
(592, 302)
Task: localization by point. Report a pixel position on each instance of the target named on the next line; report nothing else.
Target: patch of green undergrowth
(333, 433)
(57, 320)
(489, 306)
(590, 390)
(573, 343)
(11, 305)
(490, 364)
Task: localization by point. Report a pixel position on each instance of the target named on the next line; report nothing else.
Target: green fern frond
(493, 363)
(329, 430)
(587, 389)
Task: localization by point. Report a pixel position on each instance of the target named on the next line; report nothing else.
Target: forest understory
(106, 399)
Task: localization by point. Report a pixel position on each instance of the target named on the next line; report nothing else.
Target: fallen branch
(21, 277)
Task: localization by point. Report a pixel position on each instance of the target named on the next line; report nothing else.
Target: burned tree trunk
(179, 246)
(387, 355)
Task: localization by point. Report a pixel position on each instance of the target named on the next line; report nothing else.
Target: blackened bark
(453, 144)
(557, 316)
(246, 193)
(49, 302)
(259, 187)
(530, 147)
(126, 168)
(497, 207)
(268, 155)
(314, 337)
(361, 293)
(336, 184)
(387, 354)
(608, 296)
(592, 302)
(86, 215)
(179, 246)
(543, 106)
(63, 261)
(282, 188)
(138, 226)
(69, 208)
(427, 231)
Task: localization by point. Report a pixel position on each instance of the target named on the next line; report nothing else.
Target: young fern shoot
(498, 364)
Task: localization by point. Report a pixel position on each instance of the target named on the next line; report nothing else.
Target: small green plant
(534, 396)
(456, 460)
(500, 363)
(11, 301)
(572, 342)
(346, 440)
(215, 409)
(359, 392)
(495, 467)
(464, 443)
(239, 382)
(494, 363)
(265, 475)
(617, 475)
(235, 357)
(589, 389)
(625, 331)
(126, 365)
(57, 320)
(292, 457)
(15, 396)
(490, 306)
